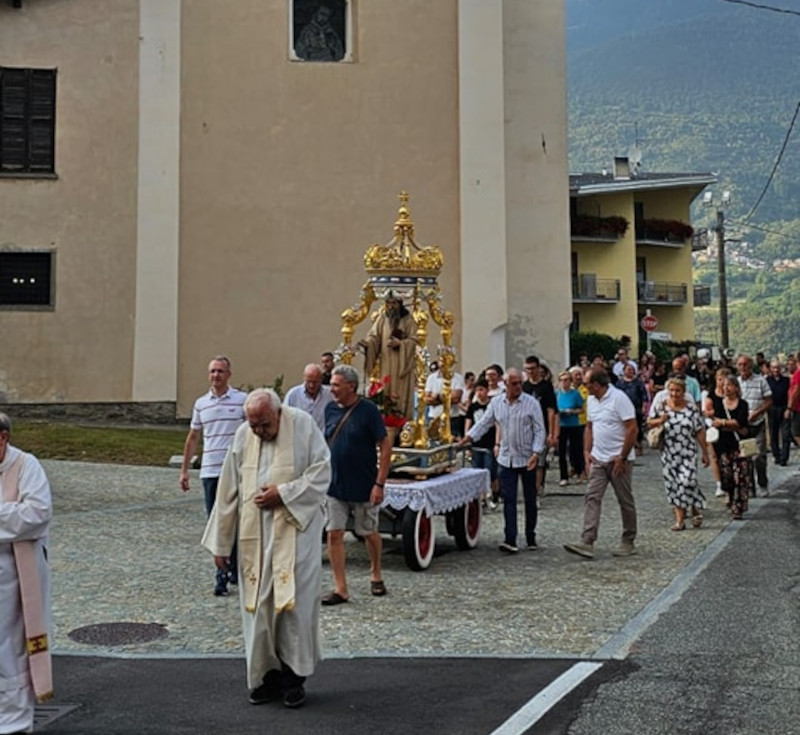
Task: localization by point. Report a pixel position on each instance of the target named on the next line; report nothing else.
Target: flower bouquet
(378, 393)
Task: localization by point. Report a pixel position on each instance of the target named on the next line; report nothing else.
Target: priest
(269, 504)
(25, 511)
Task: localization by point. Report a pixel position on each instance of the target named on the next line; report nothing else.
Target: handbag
(712, 435)
(655, 437)
(748, 447)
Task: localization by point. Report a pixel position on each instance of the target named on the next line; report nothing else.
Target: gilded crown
(402, 258)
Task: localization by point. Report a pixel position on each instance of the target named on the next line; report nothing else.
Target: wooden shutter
(42, 116)
(27, 120)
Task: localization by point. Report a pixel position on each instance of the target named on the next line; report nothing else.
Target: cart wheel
(467, 525)
(418, 539)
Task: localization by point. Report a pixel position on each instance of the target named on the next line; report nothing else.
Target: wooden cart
(409, 507)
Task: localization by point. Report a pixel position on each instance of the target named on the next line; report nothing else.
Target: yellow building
(181, 178)
(632, 252)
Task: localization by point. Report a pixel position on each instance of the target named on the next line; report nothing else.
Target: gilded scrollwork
(350, 318)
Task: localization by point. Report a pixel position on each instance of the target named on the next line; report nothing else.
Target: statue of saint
(391, 344)
(318, 41)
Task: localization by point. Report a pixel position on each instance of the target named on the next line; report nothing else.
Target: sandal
(378, 588)
(334, 598)
(678, 527)
(697, 520)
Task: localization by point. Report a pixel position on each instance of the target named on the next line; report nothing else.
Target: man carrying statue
(391, 344)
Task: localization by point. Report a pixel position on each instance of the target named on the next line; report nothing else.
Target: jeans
(759, 433)
(210, 495)
(509, 477)
(484, 460)
(570, 446)
(780, 435)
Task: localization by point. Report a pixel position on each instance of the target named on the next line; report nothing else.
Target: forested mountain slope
(700, 85)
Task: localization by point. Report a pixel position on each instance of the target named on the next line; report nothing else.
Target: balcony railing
(668, 232)
(589, 227)
(589, 289)
(654, 292)
(701, 240)
(702, 295)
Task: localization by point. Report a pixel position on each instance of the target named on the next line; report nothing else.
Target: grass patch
(133, 446)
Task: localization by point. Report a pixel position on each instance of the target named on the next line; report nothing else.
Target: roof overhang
(612, 186)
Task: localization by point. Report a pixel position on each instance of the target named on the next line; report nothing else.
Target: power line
(763, 7)
(777, 162)
(751, 226)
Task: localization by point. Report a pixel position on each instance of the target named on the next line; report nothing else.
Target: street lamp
(719, 229)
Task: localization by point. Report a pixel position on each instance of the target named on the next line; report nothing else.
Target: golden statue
(403, 275)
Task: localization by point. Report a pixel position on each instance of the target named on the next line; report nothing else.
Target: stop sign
(649, 323)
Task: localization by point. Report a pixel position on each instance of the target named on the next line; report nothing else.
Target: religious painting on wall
(319, 30)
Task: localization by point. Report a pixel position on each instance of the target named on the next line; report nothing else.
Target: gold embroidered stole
(284, 533)
(30, 592)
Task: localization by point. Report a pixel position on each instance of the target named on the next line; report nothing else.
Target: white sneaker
(720, 493)
(563, 483)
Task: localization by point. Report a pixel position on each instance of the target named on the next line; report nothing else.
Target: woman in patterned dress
(736, 472)
(684, 428)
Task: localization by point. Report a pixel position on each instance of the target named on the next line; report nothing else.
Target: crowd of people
(280, 476)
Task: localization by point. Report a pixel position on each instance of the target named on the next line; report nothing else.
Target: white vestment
(26, 520)
(292, 635)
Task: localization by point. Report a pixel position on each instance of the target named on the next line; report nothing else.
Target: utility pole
(719, 229)
(722, 281)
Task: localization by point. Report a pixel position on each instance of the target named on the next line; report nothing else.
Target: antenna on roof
(635, 152)
(635, 159)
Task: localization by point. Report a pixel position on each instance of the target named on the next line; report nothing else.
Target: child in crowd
(483, 448)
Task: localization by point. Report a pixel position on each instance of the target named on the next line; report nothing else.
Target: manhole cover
(118, 634)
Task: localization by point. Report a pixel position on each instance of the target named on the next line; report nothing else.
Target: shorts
(366, 516)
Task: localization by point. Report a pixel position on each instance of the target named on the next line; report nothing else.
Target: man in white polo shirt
(216, 416)
(609, 441)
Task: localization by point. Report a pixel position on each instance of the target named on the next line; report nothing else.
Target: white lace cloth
(437, 494)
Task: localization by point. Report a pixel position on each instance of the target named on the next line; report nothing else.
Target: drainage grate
(118, 634)
(44, 714)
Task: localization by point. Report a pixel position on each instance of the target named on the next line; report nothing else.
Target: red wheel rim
(424, 535)
(473, 519)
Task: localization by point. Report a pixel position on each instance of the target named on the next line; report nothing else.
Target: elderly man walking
(522, 441)
(25, 511)
(758, 394)
(354, 428)
(269, 503)
(609, 440)
(311, 395)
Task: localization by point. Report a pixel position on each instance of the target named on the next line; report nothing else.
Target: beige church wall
(81, 350)
(537, 182)
(290, 170)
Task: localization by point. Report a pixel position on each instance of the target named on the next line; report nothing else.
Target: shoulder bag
(655, 436)
(747, 447)
(342, 422)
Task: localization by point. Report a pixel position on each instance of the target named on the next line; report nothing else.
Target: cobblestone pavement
(125, 548)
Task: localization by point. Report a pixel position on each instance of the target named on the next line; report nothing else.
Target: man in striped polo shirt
(522, 441)
(216, 416)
